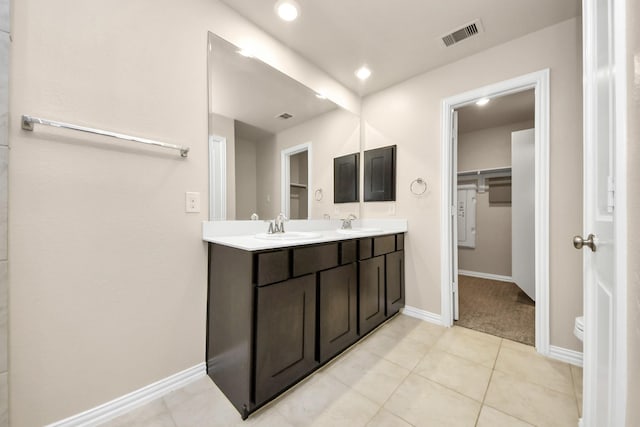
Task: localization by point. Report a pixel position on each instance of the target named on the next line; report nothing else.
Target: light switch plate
(192, 202)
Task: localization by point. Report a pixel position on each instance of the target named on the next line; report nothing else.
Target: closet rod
(29, 121)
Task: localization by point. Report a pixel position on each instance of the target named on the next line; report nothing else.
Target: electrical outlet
(192, 202)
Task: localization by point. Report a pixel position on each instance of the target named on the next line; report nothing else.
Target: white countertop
(241, 234)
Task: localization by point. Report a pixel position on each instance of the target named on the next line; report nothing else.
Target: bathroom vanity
(276, 314)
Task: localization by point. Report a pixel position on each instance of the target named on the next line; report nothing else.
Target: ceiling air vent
(460, 34)
(284, 116)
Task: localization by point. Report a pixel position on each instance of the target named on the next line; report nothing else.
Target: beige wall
(633, 194)
(408, 114)
(484, 149)
(245, 178)
(332, 134)
(107, 280)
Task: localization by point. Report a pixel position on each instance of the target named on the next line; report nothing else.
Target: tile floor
(407, 373)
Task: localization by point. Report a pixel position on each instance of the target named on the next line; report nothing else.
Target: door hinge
(611, 190)
(454, 287)
(453, 211)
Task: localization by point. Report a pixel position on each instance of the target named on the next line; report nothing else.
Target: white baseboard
(486, 275)
(126, 403)
(422, 314)
(564, 355)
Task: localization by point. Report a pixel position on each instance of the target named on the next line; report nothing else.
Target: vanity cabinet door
(394, 271)
(371, 293)
(285, 335)
(338, 308)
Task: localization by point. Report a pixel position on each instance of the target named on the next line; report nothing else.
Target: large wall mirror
(272, 141)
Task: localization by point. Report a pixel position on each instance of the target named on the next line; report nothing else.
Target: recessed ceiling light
(363, 73)
(482, 101)
(320, 95)
(287, 10)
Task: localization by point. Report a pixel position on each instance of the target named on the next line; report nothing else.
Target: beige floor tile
(403, 326)
(152, 414)
(405, 352)
(456, 373)
(535, 368)
(531, 402)
(517, 346)
(368, 374)
(385, 418)
(576, 373)
(424, 403)
(472, 345)
(201, 404)
(490, 417)
(265, 417)
(324, 399)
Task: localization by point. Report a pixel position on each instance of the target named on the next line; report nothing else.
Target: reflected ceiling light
(247, 53)
(287, 10)
(482, 101)
(363, 73)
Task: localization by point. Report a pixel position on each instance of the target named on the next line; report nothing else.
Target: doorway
(539, 83)
(495, 216)
(296, 181)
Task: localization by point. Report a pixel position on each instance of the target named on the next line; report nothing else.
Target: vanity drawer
(364, 248)
(348, 251)
(314, 258)
(384, 245)
(272, 267)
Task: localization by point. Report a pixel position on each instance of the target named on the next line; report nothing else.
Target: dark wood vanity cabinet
(338, 310)
(285, 335)
(275, 316)
(394, 270)
(372, 293)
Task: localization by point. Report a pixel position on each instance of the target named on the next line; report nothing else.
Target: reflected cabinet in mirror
(272, 140)
(346, 170)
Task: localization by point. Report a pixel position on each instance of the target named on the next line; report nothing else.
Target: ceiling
(504, 110)
(398, 39)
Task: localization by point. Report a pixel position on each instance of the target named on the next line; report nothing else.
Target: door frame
(539, 81)
(217, 178)
(592, 76)
(285, 162)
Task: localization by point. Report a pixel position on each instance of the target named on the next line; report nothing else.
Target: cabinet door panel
(371, 294)
(285, 335)
(395, 282)
(338, 310)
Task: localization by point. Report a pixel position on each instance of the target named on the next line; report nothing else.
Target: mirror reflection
(272, 141)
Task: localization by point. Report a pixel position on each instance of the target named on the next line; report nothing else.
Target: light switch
(192, 202)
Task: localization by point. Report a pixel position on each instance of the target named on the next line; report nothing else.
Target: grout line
(486, 390)
(575, 395)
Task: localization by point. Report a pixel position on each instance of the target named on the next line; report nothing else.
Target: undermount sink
(289, 235)
(358, 230)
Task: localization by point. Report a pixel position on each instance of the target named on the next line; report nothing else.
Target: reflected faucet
(346, 222)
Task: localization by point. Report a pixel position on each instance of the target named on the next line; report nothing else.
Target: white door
(602, 398)
(523, 208)
(454, 204)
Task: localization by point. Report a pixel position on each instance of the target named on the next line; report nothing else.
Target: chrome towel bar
(29, 121)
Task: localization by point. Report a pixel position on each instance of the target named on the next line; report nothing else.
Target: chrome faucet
(277, 225)
(346, 222)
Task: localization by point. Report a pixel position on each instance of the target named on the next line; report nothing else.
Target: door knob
(579, 242)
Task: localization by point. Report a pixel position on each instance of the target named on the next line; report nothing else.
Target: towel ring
(318, 194)
(418, 181)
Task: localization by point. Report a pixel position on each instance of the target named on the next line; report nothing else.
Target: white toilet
(578, 329)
